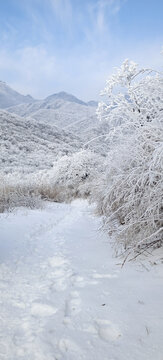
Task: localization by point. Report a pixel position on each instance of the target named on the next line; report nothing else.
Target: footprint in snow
(57, 261)
(67, 345)
(60, 272)
(106, 330)
(42, 310)
(73, 305)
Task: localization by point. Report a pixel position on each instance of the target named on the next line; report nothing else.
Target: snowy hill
(10, 97)
(63, 110)
(34, 133)
(28, 145)
(65, 96)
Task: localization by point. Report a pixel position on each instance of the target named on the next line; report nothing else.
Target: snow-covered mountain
(63, 110)
(66, 97)
(10, 97)
(35, 132)
(28, 145)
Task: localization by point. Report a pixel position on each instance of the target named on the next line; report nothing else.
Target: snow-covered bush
(16, 191)
(132, 189)
(71, 176)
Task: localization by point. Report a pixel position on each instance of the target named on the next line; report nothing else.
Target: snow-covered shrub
(132, 189)
(16, 192)
(71, 176)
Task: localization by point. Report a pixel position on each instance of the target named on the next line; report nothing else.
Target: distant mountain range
(33, 133)
(10, 97)
(62, 110)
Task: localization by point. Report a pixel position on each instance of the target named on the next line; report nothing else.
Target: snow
(62, 110)
(65, 297)
(66, 112)
(30, 145)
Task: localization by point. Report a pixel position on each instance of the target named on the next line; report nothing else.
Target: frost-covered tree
(133, 97)
(132, 189)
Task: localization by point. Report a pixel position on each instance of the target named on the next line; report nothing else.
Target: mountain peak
(10, 97)
(66, 97)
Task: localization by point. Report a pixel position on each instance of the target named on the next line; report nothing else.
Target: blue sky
(48, 46)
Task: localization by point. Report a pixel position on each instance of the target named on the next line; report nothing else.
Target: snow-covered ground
(65, 297)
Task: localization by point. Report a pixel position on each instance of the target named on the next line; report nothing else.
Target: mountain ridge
(10, 97)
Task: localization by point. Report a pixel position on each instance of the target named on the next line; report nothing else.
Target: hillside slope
(63, 110)
(28, 145)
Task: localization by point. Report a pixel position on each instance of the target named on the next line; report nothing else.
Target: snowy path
(63, 296)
